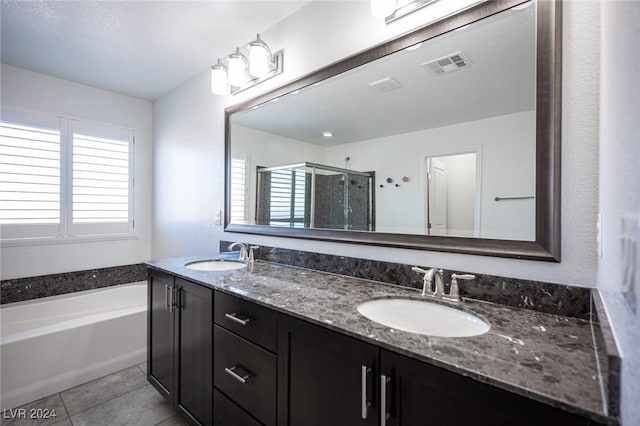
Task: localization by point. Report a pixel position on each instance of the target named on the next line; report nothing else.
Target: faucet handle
(418, 270)
(463, 277)
(454, 292)
(251, 255)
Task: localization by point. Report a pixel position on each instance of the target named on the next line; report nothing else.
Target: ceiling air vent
(452, 62)
(385, 85)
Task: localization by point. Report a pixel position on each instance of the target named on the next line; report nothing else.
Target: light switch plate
(599, 234)
(630, 238)
(218, 219)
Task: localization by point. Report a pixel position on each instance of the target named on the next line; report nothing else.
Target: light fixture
(237, 68)
(240, 74)
(219, 79)
(260, 58)
(327, 134)
(391, 10)
(382, 8)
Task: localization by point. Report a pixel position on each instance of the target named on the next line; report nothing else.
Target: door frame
(477, 216)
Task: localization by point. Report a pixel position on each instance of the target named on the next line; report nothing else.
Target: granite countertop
(545, 357)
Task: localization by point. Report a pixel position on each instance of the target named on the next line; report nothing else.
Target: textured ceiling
(139, 48)
(499, 81)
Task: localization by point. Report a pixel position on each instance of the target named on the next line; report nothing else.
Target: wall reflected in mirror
(422, 141)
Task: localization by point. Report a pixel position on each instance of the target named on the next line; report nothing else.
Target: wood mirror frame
(546, 246)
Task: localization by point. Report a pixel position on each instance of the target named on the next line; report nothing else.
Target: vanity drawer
(255, 323)
(246, 374)
(227, 413)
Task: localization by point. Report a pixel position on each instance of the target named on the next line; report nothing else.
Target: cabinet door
(160, 334)
(324, 378)
(421, 394)
(194, 338)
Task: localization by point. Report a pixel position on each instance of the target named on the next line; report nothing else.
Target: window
(287, 198)
(30, 174)
(67, 179)
(238, 190)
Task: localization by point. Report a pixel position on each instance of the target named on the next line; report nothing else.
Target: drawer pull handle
(384, 415)
(238, 373)
(239, 318)
(166, 297)
(365, 403)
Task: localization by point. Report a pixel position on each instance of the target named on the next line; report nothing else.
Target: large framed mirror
(444, 139)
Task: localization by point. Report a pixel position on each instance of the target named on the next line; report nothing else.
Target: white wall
(506, 144)
(189, 134)
(29, 91)
(262, 149)
(620, 184)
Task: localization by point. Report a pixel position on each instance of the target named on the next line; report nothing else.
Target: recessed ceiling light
(274, 100)
(327, 134)
(385, 85)
(295, 92)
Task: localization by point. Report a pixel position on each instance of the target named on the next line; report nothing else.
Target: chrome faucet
(246, 255)
(438, 275)
(427, 281)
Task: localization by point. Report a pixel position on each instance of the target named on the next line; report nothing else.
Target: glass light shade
(259, 58)
(219, 79)
(382, 8)
(237, 69)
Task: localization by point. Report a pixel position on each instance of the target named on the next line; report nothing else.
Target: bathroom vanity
(278, 345)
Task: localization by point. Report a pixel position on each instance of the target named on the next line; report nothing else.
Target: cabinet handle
(365, 404)
(236, 317)
(166, 297)
(242, 378)
(383, 399)
(172, 298)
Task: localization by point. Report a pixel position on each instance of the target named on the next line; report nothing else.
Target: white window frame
(66, 231)
(241, 156)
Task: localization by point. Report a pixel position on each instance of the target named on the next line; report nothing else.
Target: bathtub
(51, 344)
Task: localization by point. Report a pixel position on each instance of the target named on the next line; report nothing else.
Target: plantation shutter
(287, 197)
(101, 179)
(30, 181)
(238, 190)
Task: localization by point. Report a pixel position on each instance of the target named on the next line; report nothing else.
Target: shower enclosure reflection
(311, 195)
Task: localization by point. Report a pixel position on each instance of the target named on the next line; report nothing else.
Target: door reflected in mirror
(452, 205)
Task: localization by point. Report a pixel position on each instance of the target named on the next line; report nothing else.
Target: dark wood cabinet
(160, 334)
(255, 323)
(325, 378)
(180, 345)
(244, 362)
(416, 393)
(246, 374)
(270, 369)
(228, 413)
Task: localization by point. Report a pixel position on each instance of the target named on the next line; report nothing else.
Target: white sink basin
(215, 265)
(422, 317)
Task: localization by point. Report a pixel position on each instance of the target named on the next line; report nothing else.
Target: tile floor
(123, 398)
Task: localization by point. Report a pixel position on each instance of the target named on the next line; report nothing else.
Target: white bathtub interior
(51, 344)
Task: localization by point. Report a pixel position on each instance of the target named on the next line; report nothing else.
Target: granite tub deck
(543, 356)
